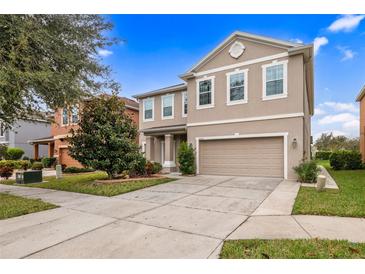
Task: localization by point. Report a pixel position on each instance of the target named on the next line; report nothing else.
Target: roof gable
(280, 44)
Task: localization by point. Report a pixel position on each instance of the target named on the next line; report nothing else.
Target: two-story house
(246, 108)
(361, 99)
(66, 119)
(19, 134)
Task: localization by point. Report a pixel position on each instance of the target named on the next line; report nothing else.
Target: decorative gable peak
(237, 49)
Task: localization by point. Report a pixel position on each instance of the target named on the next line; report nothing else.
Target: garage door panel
(245, 157)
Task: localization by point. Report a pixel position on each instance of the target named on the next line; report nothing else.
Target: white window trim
(173, 106)
(212, 78)
(183, 95)
(285, 81)
(245, 136)
(245, 87)
(153, 109)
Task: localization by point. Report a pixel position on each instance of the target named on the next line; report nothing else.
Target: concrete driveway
(188, 218)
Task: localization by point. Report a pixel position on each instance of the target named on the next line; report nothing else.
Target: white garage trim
(245, 136)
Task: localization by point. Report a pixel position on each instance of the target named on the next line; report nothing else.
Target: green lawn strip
(348, 201)
(12, 206)
(85, 183)
(292, 249)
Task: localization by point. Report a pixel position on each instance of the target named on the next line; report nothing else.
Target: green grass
(348, 201)
(12, 206)
(292, 249)
(85, 183)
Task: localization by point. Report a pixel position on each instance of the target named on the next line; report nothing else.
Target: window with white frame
(275, 80)
(237, 87)
(184, 104)
(2, 130)
(74, 115)
(167, 106)
(65, 116)
(148, 106)
(205, 92)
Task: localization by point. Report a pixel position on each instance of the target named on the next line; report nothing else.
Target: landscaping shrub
(14, 153)
(48, 162)
(137, 167)
(6, 172)
(15, 164)
(37, 166)
(307, 172)
(323, 155)
(186, 158)
(345, 159)
(149, 168)
(73, 169)
(25, 164)
(157, 167)
(3, 149)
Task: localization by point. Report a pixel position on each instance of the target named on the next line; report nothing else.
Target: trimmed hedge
(37, 166)
(14, 153)
(323, 155)
(73, 169)
(346, 159)
(15, 164)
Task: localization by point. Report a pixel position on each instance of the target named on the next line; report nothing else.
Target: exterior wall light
(295, 143)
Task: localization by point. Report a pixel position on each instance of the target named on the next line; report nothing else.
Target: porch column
(150, 149)
(36, 151)
(50, 149)
(169, 150)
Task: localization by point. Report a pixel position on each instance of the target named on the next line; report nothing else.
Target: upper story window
(2, 130)
(74, 114)
(148, 109)
(275, 80)
(167, 106)
(184, 99)
(205, 92)
(237, 87)
(65, 116)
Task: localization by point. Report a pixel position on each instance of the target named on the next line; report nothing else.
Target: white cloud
(351, 125)
(104, 52)
(347, 53)
(297, 40)
(337, 118)
(318, 111)
(319, 42)
(346, 23)
(341, 106)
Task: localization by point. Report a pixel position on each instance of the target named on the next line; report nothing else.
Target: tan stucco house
(361, 99)
(246, 108)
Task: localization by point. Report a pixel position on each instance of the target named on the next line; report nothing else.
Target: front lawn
(85, 183)
(12, 206)
(348, 201)
(292, 249)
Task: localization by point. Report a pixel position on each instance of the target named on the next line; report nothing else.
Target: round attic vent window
(236, 49)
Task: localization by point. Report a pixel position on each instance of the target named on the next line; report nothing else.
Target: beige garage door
(242, 157)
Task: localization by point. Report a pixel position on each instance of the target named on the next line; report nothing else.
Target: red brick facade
(60, 133)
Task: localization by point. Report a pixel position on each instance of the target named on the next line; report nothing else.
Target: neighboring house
(64, 120)
(246, 108)
(361, 99)
(22, 131)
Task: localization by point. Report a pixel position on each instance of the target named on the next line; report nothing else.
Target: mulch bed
(117, 181)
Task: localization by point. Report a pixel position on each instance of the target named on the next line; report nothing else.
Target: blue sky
(160, 47)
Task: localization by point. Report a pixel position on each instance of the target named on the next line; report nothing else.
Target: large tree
(106, 138)
(329, 142)
(49, 61)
